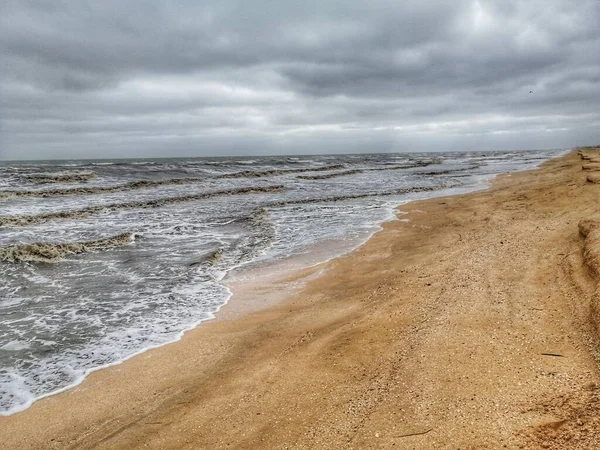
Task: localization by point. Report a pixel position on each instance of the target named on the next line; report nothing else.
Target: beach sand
(470, 326)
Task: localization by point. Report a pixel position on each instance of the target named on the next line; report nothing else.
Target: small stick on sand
(414, 434)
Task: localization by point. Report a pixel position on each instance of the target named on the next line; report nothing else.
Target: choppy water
(100, 260)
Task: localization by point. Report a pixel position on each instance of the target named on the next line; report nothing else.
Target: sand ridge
(470, 326)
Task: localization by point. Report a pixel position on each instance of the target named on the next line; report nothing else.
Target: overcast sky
(117, 78)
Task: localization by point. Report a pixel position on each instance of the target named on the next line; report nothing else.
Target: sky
(146, 78)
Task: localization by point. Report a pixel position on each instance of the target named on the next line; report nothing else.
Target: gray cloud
(145, 78)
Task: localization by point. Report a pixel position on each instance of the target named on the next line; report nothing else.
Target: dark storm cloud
(92, 79)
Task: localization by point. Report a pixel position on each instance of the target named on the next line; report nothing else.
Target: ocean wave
(448, 171)
(210, 259)
(60, 177)
(24, 220)
(413, 165)
(88, 190)
(145, 184)
(275, 172)
(340, 198)
(330, 175)
(54, 252)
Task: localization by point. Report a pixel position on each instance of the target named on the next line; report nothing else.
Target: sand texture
(473, 325)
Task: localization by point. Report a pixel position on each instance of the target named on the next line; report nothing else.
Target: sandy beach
(471, 325)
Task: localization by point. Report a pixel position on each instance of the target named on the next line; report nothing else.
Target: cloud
(148, 78)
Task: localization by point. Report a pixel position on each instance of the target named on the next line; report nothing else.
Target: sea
(101, 260)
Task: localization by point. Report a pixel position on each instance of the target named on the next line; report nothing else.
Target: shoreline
(228, 330)
(244, 304)
(305, 272)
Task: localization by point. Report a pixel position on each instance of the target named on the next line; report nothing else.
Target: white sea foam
(14, 346)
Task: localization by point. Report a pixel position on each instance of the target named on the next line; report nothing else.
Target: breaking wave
(24, 220)
(49, 252)
(60, 177)
(275, 172)
(330, 175)
(424, 163)
(86, 190)
(339, 198)
(449, 171)
(210, 259)
(144, 184)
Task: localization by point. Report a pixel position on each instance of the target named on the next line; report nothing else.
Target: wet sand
(471, 326)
